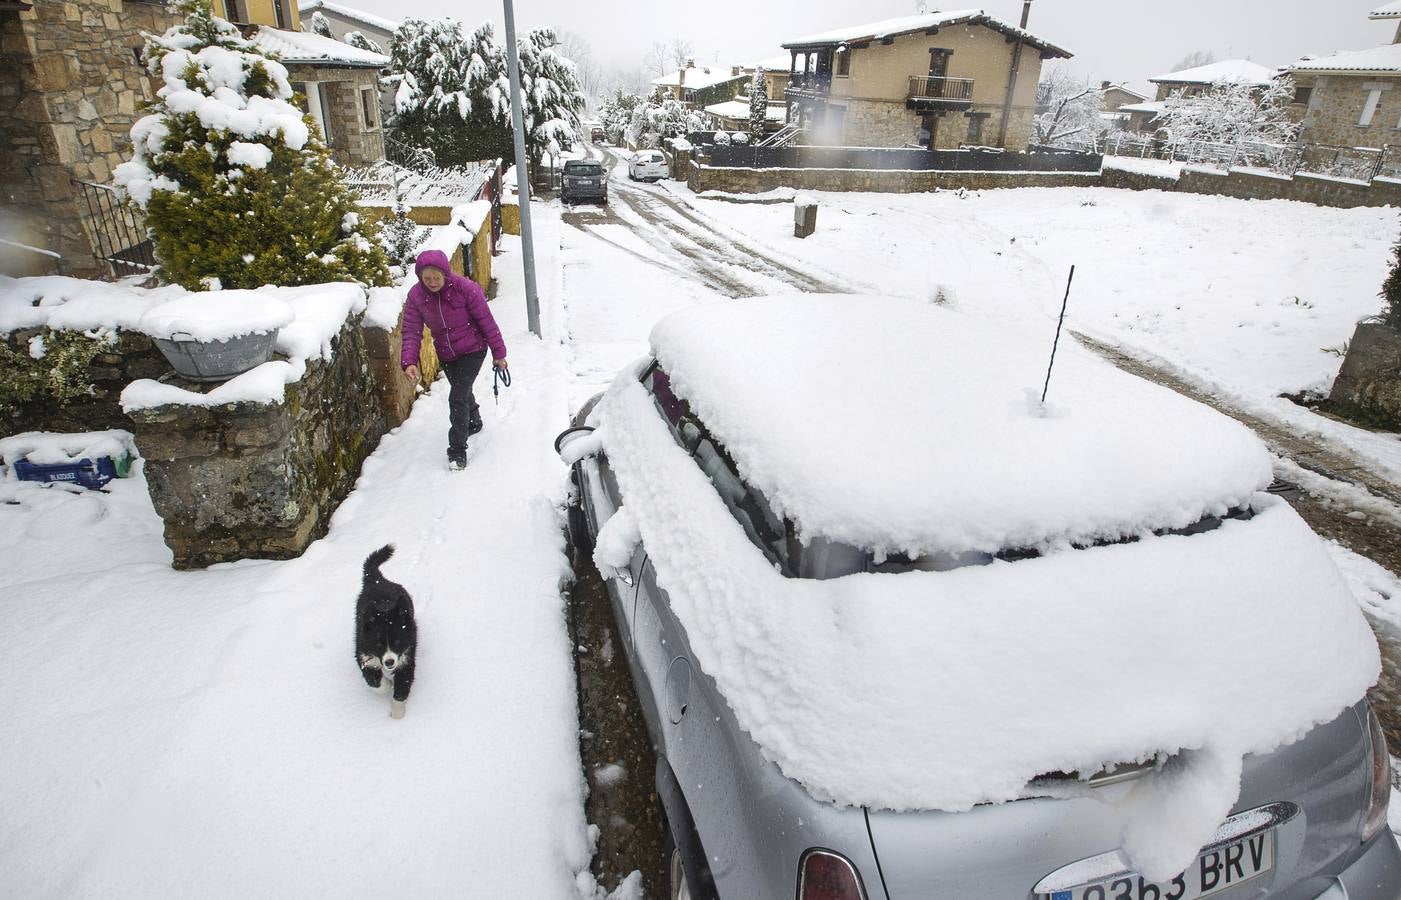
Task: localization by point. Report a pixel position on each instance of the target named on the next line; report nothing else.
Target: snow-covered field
(1248, 298)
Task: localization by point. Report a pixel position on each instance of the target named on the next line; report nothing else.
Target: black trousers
(462, 405)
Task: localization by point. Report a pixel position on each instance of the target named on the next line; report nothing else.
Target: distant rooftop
(889, 28)
(1390, 11)
(300, 47)
(1235, 70)
(739, 109)
(1386, 58)
(361, 16)
(782, 63)
(698, 77)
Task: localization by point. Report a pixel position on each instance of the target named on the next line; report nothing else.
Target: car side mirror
(577, 442)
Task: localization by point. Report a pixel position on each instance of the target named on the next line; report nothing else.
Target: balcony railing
(936, 91)
(809, 84)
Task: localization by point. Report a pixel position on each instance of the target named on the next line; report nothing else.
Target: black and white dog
(386, 635)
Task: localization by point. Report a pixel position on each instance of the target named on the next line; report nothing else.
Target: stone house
(72, 86)
(1117, 96)
(699, 86)
(776, 73)
(938, 80)
(1351, 98)
(1191, 83)
(344, 21)
(339, 86)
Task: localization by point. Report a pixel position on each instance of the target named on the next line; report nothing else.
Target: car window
(576, 168)
(751, 510)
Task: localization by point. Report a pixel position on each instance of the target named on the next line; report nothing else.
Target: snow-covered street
(207, 733)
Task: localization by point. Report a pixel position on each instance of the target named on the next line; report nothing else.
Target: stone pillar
(258, 480)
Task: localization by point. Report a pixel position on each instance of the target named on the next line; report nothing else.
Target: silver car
(1310, 822)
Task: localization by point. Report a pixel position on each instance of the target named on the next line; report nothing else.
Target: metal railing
(809, 83)
(933, 87)
(386, 182)
(786, 135)
(118, 233)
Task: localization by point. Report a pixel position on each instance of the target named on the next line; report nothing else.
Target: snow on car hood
(927, 690)
(896, 425)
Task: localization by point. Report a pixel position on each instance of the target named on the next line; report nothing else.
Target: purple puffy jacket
(457, 316)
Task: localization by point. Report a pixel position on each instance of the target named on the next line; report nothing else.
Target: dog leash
(499, 378)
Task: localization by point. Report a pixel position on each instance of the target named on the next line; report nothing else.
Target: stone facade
(1335, 107)
(353, 140)
(883, 123)
(70, 89)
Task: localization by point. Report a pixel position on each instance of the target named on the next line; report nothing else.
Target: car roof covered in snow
(898, 425)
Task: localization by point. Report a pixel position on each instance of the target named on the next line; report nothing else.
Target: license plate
(1214, 871)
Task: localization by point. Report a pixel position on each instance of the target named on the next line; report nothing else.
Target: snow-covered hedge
(237, 188)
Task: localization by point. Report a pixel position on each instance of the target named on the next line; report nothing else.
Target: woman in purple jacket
(456, 313)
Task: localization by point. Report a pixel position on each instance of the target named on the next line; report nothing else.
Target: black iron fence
(118, 233)
(970, 160)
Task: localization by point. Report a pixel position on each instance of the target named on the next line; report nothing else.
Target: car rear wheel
(678, 888)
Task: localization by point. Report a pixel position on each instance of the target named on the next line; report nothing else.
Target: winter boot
(474, 422)
(457, 460)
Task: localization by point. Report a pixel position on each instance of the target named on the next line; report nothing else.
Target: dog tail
(377, 559)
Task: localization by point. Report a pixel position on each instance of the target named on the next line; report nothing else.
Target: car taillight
(1381, 779)
(825, 875)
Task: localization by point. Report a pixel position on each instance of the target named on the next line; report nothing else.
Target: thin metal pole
(1047, 385)
(513, 68)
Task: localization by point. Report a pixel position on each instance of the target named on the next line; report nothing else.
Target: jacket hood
(434, 258)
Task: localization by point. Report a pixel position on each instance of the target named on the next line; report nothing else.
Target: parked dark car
(598, 135)
(584, 179)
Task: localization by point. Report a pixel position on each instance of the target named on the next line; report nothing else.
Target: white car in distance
(647, 165)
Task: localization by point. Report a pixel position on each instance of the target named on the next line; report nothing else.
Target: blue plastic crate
(85, 472)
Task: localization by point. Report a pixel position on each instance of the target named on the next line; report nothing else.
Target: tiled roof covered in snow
(374, 21)
(1236, 70)
(1386, 58)
(890, 28)
(299, 47)
(739, 109)
(1390, 11)
(698, 77)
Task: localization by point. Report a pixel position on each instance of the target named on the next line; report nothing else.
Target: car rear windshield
(583, 168)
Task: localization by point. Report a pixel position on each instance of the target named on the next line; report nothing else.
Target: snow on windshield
(803, 391)
(928, 690)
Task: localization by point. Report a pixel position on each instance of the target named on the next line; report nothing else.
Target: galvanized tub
(216, 360)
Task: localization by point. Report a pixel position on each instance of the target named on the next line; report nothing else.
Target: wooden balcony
(930, 92)
(808, 86)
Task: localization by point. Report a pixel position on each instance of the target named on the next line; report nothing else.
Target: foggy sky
(1128, 40)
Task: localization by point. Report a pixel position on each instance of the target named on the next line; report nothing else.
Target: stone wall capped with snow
(261, 480)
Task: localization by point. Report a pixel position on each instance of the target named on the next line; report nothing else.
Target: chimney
(683, 75)
(734, 70)
(690, 63)
(1026, 12)
(1104, 85)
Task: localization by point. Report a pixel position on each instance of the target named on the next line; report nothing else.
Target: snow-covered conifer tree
(1391, 291)
(321, 25)
(758, 105)
(358, 39)
(551, 96)
(451, 90)
(237, 188)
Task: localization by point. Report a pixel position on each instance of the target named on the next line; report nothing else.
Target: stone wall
(1248, 184)
(756, 181)
(132, 357)
(255, 480)
(70, 89)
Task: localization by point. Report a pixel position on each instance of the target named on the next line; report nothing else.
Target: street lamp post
(513, 68)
